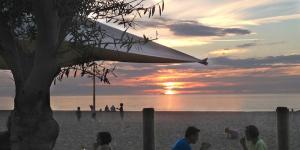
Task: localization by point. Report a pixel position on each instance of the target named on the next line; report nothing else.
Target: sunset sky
(252, 46)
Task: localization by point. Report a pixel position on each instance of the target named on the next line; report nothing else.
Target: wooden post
(148, 129)
(283, 128)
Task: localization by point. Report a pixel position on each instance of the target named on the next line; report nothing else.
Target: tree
(33, 33)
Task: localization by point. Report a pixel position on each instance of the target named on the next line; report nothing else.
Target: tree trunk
(31, 124)
(32, 127)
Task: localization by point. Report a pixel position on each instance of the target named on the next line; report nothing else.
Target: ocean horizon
(193, 102)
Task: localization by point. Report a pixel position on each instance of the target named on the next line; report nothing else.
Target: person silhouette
(252, 141)
(191, 137)
(103, 141)
(113, 108)
(78, 113)
(106, 109)
(121, 109)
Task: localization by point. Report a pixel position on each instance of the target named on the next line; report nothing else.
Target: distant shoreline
(86, 111)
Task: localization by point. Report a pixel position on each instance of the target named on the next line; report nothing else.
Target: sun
(169, 88)
(170, 92)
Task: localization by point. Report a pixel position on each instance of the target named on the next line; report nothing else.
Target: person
(113, 108)
(78, 113)
(191, 137)
(121, 109)
(103, 141)
(93, 115)
(252, 141)
(106, 109)
(231, 134)
(92, 107)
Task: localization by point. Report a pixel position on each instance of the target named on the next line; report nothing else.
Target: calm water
(251, 102)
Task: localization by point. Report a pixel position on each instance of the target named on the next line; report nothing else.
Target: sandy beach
(169, 126)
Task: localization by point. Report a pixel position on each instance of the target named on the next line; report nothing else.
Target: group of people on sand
(113, 108)
(251, 141)
(106, 109)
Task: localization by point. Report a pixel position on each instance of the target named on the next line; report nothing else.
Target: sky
(252, 46)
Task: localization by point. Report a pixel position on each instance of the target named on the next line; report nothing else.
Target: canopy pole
(94, 89)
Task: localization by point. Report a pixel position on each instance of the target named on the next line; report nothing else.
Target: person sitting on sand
(113, 108)
(103, 141)
(106, 109)
(191, 137)
(231, 134)
(255, 142)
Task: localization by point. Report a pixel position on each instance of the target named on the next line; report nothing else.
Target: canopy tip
(204, 61)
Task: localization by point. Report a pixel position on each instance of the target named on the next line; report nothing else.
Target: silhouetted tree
(34, 33)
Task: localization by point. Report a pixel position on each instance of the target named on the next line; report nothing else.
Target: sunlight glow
(170, 92)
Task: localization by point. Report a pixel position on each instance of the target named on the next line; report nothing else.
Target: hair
(191, 131)
(226, 129)
(252, 131)
(104, 137)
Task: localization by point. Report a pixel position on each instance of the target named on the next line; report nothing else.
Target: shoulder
(261, 145)
(105, 147)
(181, 144)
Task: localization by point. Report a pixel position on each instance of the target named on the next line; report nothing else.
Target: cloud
(197, 29)
(223, 75)
(227, 52)
(192, 28)
(256, 62)
(246, 45)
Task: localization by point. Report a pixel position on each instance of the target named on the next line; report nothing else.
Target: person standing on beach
(103, 141)
(255, 142)
(121, 109)
(191, 137)
(78, 113)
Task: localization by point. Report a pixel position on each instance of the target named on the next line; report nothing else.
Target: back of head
(252, 131)
(226, 130)
(104, 138)
(191, 131)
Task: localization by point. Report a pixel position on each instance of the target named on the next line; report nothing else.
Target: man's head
(192, 134)
(251, 132)
(226, 130)
(104, 138)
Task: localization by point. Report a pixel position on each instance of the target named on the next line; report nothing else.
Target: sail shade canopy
(149, 52)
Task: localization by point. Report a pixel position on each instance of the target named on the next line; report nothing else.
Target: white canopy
(149, 52)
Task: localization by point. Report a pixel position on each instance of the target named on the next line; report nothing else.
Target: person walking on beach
(191, 137)
(103, 141)
(231, 134)
(78, 113)
(252, 141)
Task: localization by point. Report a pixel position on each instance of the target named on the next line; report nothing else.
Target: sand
(169, 126)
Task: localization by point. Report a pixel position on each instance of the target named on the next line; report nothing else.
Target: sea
(228, 102)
